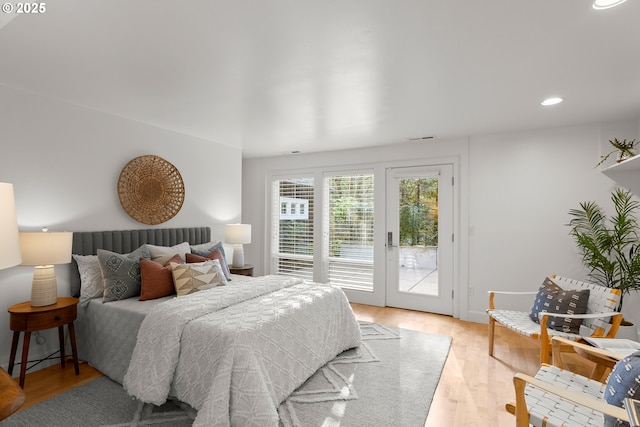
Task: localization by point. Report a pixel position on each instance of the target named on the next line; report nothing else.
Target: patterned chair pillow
(624, 381)
(553, 299)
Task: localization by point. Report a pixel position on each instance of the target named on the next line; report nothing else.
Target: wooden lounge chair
(11, 395)
(601, 307)
(557, 397)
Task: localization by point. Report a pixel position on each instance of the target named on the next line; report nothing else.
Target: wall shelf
(626, 173)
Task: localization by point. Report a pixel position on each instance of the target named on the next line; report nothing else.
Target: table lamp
(11, 395)
(9, 241)
(238, 234)
(43, 250)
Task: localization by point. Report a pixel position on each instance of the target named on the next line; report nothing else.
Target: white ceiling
(275, 76)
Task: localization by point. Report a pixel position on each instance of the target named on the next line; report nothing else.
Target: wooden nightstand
(24, 318)
(245, 270)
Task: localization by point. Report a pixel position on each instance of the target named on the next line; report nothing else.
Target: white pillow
(91, 283)
(197, 276)
(162, 254)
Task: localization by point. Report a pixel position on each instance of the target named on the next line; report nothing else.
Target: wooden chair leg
(521, 412)
(492, 329)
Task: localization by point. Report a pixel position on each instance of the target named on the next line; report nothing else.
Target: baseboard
(478, 316)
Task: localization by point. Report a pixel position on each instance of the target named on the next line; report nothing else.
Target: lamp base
(44, 288)
(238, 256)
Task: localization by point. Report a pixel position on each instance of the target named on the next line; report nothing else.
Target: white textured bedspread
(236, 352)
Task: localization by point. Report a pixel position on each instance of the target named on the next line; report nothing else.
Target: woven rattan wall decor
(150, 189)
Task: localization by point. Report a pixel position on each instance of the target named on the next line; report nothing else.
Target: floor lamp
(11, 395)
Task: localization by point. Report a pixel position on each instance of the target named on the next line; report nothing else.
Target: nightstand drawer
(37, 321)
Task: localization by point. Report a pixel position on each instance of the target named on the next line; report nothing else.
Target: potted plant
(624, 149)
(609, 245)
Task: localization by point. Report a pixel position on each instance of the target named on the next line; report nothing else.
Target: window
(344, 257)
(292, 230)
(349, 229)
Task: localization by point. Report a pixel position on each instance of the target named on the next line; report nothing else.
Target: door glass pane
(418, 223)
(350, 230)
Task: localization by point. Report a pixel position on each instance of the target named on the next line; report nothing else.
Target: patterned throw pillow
(207, 249)
(91, 283)
(156, 281)
(553, 299)
(215, 254)
(121, 273)
(190, 278)
(624, 381)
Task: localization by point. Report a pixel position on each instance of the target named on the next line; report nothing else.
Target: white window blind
(292, 248)
(348, 226)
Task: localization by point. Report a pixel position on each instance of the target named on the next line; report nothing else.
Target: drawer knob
(56, 318)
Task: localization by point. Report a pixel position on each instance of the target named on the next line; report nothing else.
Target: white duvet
(236, 352)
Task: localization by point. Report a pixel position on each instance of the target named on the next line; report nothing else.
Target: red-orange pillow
(157, 280)
(216, 254)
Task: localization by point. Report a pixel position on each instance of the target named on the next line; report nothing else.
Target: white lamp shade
(238, 233)
(46, 248)
(9, 241)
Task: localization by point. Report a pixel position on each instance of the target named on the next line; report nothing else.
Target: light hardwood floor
(473, 389)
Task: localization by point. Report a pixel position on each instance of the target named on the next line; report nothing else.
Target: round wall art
(150, 189)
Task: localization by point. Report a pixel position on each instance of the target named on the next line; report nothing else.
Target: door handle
(389, 239)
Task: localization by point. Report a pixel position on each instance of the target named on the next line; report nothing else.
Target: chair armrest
(492, 295)
(11, 395)
(580, 399)
(581, 316)
(586, 348)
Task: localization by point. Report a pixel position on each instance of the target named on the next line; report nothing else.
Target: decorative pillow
(215, 254)
(162, 254)
(206, 249)
(121, 273)
(91, 283)
(624, 381)
(156, 281)
(190, 278)
(553, 299)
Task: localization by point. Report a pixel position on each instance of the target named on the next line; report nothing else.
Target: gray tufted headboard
(123, 241)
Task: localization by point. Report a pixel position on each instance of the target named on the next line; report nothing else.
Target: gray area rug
(388, 381)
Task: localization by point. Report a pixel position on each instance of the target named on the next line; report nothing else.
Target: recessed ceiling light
(552, 101)
(606, 4)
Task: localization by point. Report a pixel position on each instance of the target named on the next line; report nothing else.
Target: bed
(232, 352)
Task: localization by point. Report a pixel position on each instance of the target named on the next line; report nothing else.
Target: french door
(419, 238)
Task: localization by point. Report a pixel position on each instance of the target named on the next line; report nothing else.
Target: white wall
(64, 162)
(516, 192)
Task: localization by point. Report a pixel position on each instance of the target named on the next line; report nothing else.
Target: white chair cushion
(520, 322)
(560, 412)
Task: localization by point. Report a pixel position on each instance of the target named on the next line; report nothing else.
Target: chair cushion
(553, 299)
(624, 381)
(548, 409)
